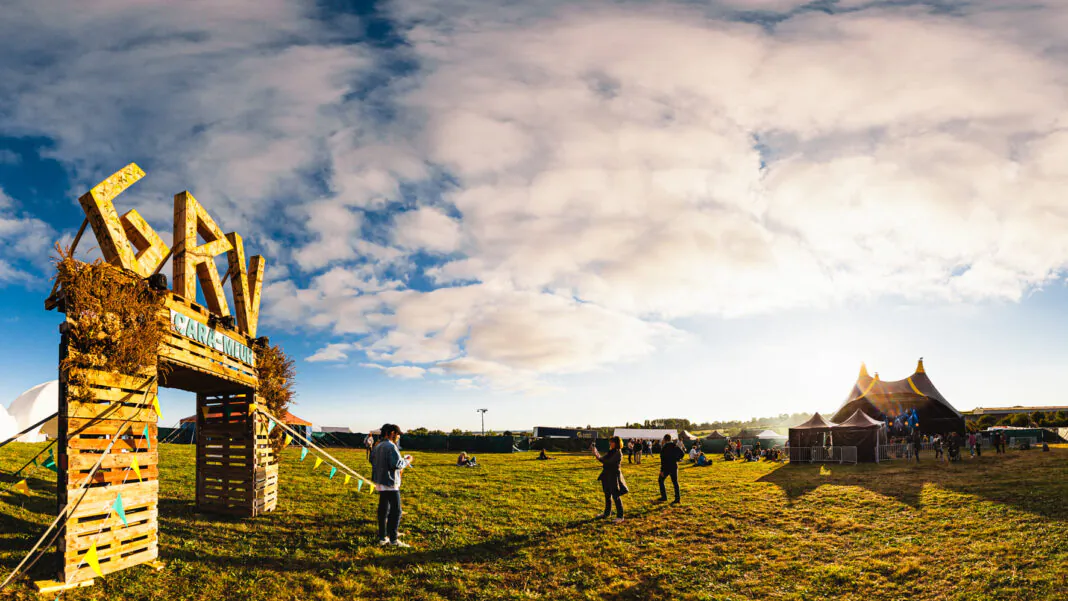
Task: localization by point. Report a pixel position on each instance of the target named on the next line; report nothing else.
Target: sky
(570, 213)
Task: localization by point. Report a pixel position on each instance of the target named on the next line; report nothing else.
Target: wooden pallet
(184, 354)
(119, 404)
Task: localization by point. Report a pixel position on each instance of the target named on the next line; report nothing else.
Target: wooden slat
(113, 548)
(81, 529)
(100, 500)
(110, 567)
(143, 413)
(116, 476)
(99, 444)
(80, 544)
(107, 427)
(179, 355)
(114, 380)
(85, 461)
(178, 341)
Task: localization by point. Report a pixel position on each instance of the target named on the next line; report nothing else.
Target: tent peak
(919, 366)
(863, 371)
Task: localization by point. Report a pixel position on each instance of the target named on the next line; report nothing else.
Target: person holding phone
(612, 482)
(386, 467)
(670, 456)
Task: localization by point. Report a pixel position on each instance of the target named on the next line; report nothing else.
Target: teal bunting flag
(50, 463)
(303, 453)
(119, 509)
(359, 485)
(333, 470)
(270, 427)
(147, 439)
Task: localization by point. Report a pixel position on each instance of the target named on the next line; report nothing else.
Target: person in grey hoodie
(386, 467)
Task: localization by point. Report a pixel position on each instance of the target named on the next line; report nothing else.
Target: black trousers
(608, 498)
(389, 514)
(674, 482)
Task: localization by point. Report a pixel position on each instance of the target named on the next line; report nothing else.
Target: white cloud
(407, 372)
(428, 229)
(331, 352)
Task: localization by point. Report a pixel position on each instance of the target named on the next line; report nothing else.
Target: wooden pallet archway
(110, 426)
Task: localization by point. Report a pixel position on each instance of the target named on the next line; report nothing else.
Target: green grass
(515, 528)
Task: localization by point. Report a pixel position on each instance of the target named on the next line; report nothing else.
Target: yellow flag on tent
(287, 441)
(347, 478)
(93, 560)
(252, 408)
(318, 462)
(136, 468)
(22, 487)
(155, 405)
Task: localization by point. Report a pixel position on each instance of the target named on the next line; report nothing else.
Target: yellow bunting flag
(347, 478)
(93, 561)
(318, 462)
(287, 441)
(136, 468)
(252, 408)
(22, 487)
(155, 405)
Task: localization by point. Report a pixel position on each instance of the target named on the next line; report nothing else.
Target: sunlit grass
(516, 528)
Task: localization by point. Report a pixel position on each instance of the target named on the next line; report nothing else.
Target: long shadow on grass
(1029, 481)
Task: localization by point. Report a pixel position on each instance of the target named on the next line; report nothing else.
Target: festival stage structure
(882, 400)
(107, 453)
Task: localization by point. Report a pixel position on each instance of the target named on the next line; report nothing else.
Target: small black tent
(862, 432)
(816, 432)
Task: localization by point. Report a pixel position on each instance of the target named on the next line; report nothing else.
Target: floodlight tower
(483, 412)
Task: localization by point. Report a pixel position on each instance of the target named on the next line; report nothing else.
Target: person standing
(630, 451)
(386, 467)
(612, 483)
(670, 455)
(917, 443)
(638, 447)
(369, 443)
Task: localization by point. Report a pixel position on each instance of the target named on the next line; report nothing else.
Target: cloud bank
(521, 192)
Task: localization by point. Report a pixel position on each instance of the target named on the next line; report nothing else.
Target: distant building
(978, 412)
(337, 429)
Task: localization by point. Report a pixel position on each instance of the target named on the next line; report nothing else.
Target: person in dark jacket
(670, 456)
(612, 482)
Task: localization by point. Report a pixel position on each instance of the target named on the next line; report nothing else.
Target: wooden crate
(118, 404)
(226, 454)
(266, 468)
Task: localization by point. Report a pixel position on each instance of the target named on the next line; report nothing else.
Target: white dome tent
(31, 407)
(8, 426)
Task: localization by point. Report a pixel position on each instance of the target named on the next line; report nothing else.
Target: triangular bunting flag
(359, 485)
(155, 405)
(34, 462)
(270, 428)
(136, 468)
(347, 478)
(50, 463)
(333, 470)
(204, 410)
(148, 439)
(22, 487)
(119, 509)
(318, 462)
(287, 441)
(303, 452)
(91, 559)
(252, 408)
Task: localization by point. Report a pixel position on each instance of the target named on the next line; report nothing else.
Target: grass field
(515, 528)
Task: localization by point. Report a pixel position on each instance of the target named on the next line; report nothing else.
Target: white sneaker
(383, 542)
(400, 544)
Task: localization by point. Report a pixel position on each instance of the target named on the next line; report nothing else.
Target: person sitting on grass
(543, 457)
(464, 461)
(694, 453)
(727, 454)
(702, 461)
